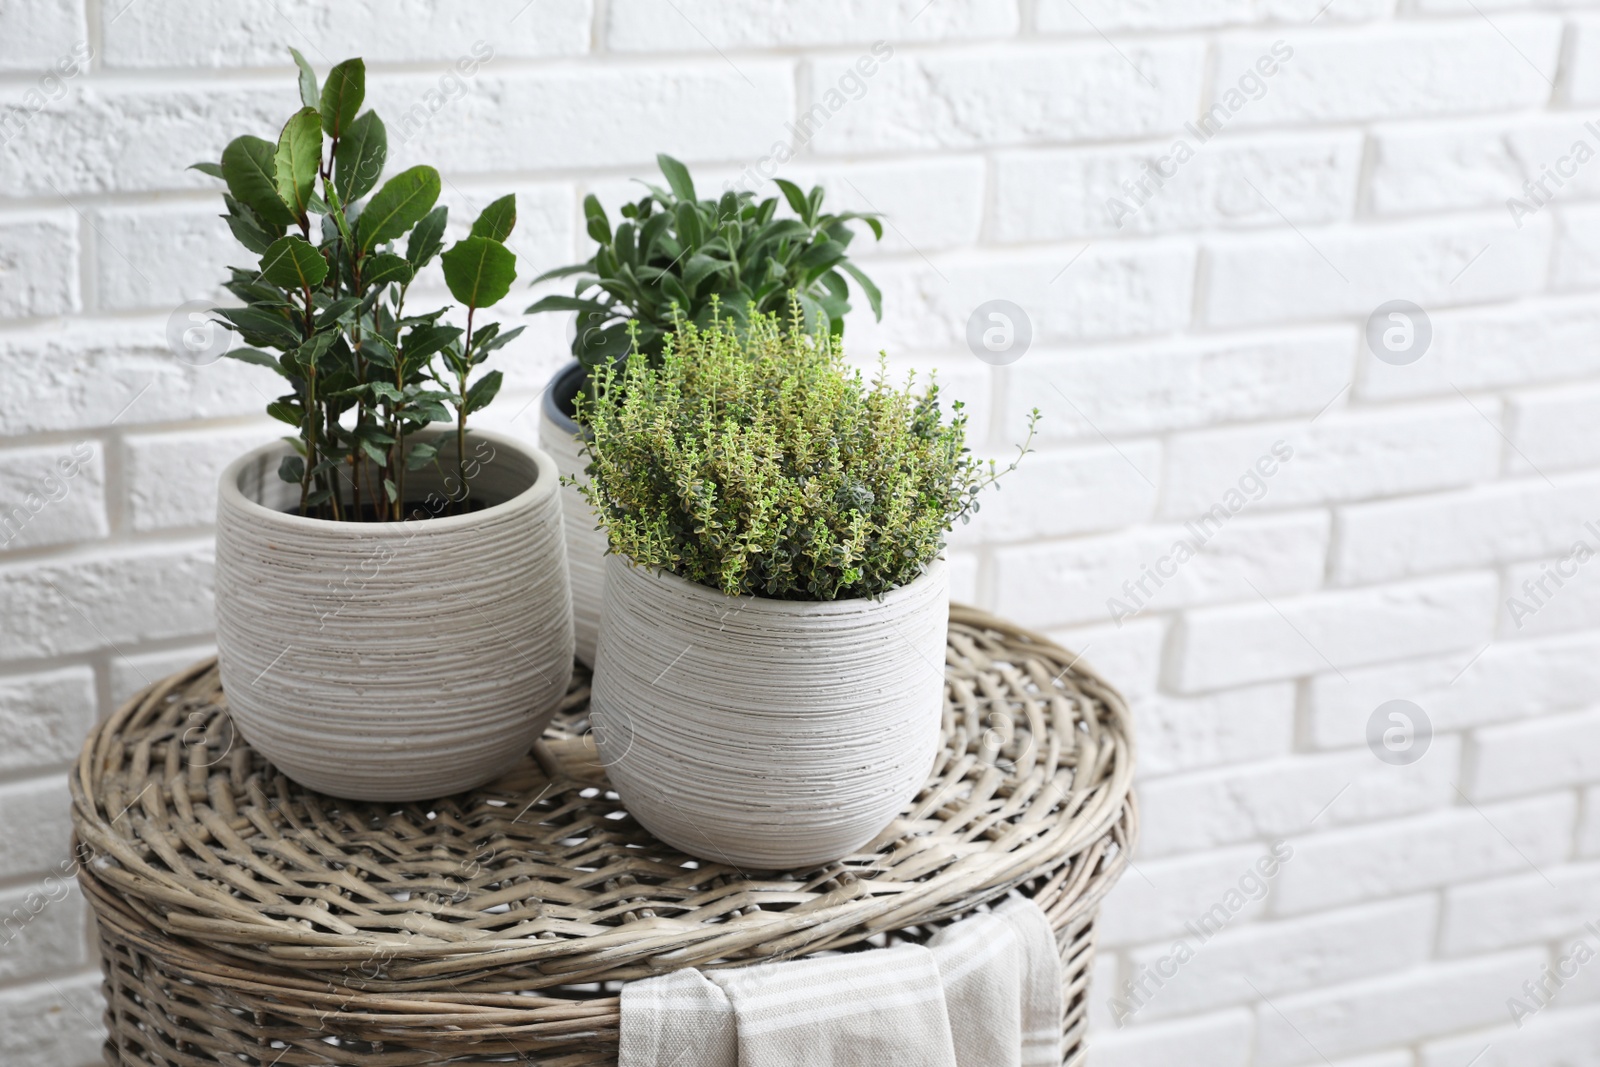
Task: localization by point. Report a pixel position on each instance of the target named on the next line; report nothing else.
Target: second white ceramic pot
(395, 660)
(767, 734)
(562, 436)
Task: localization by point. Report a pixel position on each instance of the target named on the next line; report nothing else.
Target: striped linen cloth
(985, 992)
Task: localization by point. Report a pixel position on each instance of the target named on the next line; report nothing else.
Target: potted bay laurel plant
(769, 680)
(393, 619)
(672, 254)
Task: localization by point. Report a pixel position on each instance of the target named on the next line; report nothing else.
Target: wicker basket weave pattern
(245, 920)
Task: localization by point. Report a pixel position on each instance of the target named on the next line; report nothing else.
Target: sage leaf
(562, 272)
(699, 267)
(690, 224)
(816, 318)
(874, 297)
(558, 302)
(677, 176)
(791, 192)
(595, 218)
(596, 347)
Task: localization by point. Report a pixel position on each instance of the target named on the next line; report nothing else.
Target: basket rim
(1068, 912)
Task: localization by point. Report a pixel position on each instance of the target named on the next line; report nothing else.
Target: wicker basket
(246, 921)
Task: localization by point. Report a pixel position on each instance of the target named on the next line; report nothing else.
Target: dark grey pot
(560, 394)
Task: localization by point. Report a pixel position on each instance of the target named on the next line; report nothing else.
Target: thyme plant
(754, 460)
(673, 254)
(325, 308)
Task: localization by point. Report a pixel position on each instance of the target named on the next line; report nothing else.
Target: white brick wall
(1170, 353)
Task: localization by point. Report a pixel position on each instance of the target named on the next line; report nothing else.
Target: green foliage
(251, 173)
(753, 460)
(297, 160)
(342, 96)
(327, 312)
(479, 271)
(293, 263)
(673, 254)
(497, 219)
(402, 203)
(358, 160)
(308, 79)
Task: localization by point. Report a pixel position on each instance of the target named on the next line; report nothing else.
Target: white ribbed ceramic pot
(561, 436)
(395, 660)
(767, 734)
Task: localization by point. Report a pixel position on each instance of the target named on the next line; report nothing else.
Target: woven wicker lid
(541, 880)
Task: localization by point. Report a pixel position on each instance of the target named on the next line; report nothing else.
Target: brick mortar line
(41, 979)
(1398, 23)
(1294, 129)
(22, 669)
(40, 774)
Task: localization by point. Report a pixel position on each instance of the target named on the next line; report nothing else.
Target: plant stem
(357, 461)
(335, 504)
(307, 479)
(398, 465)
(305, 473)
(461, 412)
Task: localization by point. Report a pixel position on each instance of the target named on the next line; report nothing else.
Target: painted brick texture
(1359, 527)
